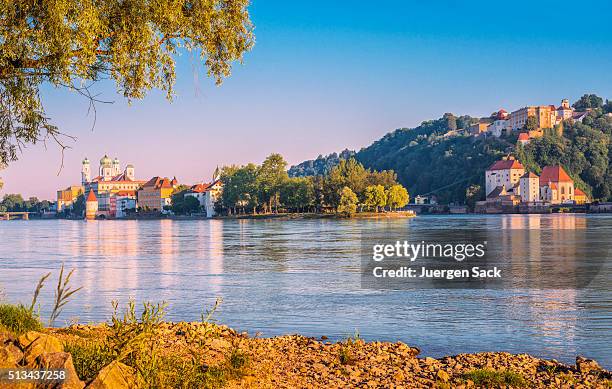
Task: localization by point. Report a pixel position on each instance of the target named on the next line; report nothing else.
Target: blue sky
(323, 77)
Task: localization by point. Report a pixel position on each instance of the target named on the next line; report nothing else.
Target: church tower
(129, 172)
(116, 167)
(85, 172)
(106, 168)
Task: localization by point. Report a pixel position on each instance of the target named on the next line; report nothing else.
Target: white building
(207, 195)
(124, 203)
(530, 188)
(505, 173)
(497, 127)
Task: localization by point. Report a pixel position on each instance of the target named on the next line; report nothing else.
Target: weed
(495, 378)
(19, 319)
(89, 357)
(62, 294)
(346, 353)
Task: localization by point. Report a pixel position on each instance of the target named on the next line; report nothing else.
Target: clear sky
(324, 76)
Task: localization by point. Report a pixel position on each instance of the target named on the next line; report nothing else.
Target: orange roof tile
(523, 136)
(91, 196)
(578, 192)
(506, 164)
(553, 174)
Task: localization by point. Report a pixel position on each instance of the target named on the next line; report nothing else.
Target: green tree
(298, 193)
(347, 173)
(397, 197)
(375, 197)
(78, 206)
(532, 123)
(73, 43)
(588, 101)
(13, 202)
(271, 177)
(348, 202)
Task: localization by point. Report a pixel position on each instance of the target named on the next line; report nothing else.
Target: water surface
(302, 276)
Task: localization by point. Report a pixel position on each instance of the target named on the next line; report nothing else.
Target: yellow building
(156, 193)
(66, 197)
(546, 116)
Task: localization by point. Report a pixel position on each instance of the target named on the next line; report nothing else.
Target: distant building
(478, 128)
(523, 138)
(67, 197)
(125, 202)
(530, 188)
(546, 116)
(497, 127)
(156, 193)
(564, 111)
(505, 173)
(556, 186)
(91, 206)
(580, 197)
(207, 195)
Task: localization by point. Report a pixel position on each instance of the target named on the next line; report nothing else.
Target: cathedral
(112, 184)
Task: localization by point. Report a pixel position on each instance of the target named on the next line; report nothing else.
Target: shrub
(494, 378)
(19, 319)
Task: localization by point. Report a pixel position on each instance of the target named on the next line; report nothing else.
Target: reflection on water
(304, 276)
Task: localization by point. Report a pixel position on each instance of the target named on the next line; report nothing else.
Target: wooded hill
(439, 157)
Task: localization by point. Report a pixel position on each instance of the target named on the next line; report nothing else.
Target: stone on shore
(114, 376)
(61, 360)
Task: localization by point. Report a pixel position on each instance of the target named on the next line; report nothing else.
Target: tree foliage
(397, 197)
(348, 202)
(588, 101)
(72, 43)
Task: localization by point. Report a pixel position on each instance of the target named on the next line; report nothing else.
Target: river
(303, 276)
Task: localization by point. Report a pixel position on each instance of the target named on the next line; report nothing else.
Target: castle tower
(85, 172)
(91, 206)
(565, 104)
(106, 168)
(116, 167)
(129, 172)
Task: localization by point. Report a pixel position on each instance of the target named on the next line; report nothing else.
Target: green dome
(105, 160)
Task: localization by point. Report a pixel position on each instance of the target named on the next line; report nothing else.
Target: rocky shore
(217, 356)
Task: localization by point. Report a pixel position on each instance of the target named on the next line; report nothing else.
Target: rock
(114, 376)
(10, 355)
(443, 376)
(429, 360)
(585, 365)
(219, 345)
(27, 338)
(37, 344)
(61, 360)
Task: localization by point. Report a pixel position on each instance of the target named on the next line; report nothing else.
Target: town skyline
(319, 82)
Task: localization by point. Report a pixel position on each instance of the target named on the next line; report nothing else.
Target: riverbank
(300, 216)
(204, 355)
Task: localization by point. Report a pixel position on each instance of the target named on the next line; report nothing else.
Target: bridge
(14, 215)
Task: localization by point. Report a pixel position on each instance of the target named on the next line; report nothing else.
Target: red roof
(126, 193)
(578, 192)
(553, 174)
(506, 164)
(530, 175)
(523, 136)
(91, 197)
(159, 182)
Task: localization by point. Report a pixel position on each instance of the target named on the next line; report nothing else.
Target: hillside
(440, 158)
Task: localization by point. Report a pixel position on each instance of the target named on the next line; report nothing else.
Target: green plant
(89, 357)
(347, 348)
(62, 294)
(494, 378)
(19, 319)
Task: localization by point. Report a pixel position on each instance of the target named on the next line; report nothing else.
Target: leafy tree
(240, 187)
(348, 173)
(13, 202)
(375, 197)
(71, 43)
(588, 101)
(607, 109)
(473, 194)
(299, 193)
(532, 123)
(348, 202)
(78, 206)
(271, 177)
(397, 197)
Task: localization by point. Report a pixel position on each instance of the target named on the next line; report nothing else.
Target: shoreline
(240, 360)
